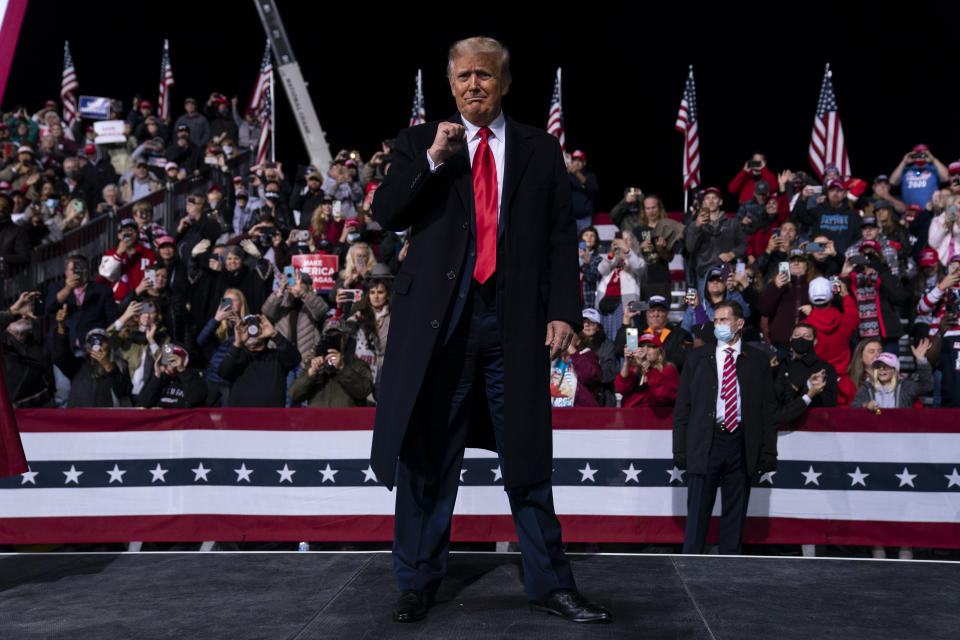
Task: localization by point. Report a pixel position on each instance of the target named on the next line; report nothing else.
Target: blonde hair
(317, 222)
(225, 328)
(480, 46)
(857, 370)
(349, 271)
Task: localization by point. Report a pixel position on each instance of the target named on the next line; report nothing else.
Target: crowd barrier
(845, 476)
(100, 234)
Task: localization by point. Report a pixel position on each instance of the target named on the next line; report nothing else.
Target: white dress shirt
(721, 359)
(498, 144)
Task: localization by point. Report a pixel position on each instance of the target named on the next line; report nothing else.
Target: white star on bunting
(158, 474)
(370, 476)
(116, 474)
(462, 471)
(857, 477)
(906, 478)
(328, 474)
(286, 473)
(243, 473)
(200, 473)
(497, 474)
(768, 477)
(675, 474)
(587, 473)
(631, 474)
(953, 478)
(811, 476)
(29, 476)
(72, 475)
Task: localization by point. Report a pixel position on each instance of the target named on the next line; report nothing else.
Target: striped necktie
(728, 391)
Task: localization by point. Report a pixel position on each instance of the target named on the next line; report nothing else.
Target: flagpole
(273, 121)
(685, 196)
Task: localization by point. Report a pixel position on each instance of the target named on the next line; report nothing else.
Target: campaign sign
(109, 131)
(94, 108)
(322, 268)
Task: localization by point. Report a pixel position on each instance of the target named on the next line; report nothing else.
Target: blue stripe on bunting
(601, 472)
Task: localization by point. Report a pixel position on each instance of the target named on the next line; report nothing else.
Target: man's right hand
(449, 140)
(702, 218)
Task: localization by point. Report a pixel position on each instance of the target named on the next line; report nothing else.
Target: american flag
(68, 87)
(418, 115)
(166, 81)
(555, 117)
(266, 126)
(845, 477)
(687, 125)
(827, 145)
(264, 81)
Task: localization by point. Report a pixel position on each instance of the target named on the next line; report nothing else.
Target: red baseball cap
(162, 240)
(216, 188)
(712, 190)
(835, 184)
(90, 148)
(146, 103)
(578, 154)
(871, 244)
(652, 338)
(953, 167)
(921, 148)
(928, 257)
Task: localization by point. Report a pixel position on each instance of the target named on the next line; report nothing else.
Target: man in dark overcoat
(487, 294)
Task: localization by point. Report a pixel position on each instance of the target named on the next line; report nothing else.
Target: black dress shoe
(572, 606)
(411, 606)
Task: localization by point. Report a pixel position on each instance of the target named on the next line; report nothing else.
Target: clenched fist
(450, 138)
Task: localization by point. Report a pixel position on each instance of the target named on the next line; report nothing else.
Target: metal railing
(96, 237)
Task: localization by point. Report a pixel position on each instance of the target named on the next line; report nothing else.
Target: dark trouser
(725, 469)
(428, 474)
(950, 366)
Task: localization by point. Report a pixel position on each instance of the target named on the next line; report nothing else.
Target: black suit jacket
(537, 281)
(97, 311)
(695, 412)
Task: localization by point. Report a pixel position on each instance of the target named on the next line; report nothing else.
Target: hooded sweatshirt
(834, 332)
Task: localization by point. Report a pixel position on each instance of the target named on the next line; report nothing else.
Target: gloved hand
(248, 246)
(767, 463)
(200, 248)
(680, 460)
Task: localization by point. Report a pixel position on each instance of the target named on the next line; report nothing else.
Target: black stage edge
(348, 595)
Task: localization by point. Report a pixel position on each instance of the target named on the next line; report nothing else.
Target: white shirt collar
(723, 346)
(498, 127)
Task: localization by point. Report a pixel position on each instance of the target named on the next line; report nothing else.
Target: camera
(835, 284)
(815, 247)
(253, 326)
(301, 235)
(78, 269)
(165, 353)
(919, 155)
(753, 164)
(638, 305)
(96, 342)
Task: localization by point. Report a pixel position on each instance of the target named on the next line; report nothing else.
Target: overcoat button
(451, 274)
(435, 324)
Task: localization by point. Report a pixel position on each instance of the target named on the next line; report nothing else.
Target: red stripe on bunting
(645, 418)
(610, 529)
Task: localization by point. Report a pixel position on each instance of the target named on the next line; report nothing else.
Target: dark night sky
(757, 77)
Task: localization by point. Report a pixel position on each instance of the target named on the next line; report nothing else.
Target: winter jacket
(14, 243)
(705, 243)
(259, 378)
(184, 390)
(842, 225)
(676, 342)
(781, 305)
(126, 187)
(631, 274)
(123, 273)
(585, 368)
(28, 372)
(790, 385)
(908, 388)
(215, 351)
(297, 319)
(347, 387)
(198, 125)
(90, 386)
(946, 242)
(703, 312)
(889, 293)
(659, 388)
(743, 183)
(583, 193)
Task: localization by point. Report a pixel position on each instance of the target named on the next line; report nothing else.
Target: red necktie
(485, 203)
(728, 391)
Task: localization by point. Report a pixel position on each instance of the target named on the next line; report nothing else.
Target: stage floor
(348, 595)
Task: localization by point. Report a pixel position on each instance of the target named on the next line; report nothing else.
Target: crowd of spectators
(833, 275)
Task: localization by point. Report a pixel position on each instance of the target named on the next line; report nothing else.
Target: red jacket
(834, 331)
(661, 387)
(124, 273)
(743, 182)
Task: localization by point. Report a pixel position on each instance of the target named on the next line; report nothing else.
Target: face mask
(801, 346)
(72, 174)
(723, 333)
(353, 237)
(273, 196)
(228, 150)
(51, 203)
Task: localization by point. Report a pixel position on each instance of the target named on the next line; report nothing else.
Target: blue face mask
(723, 333)
(51, 203)
(353, 237)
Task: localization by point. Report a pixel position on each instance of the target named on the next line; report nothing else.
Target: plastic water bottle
(303, 546)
